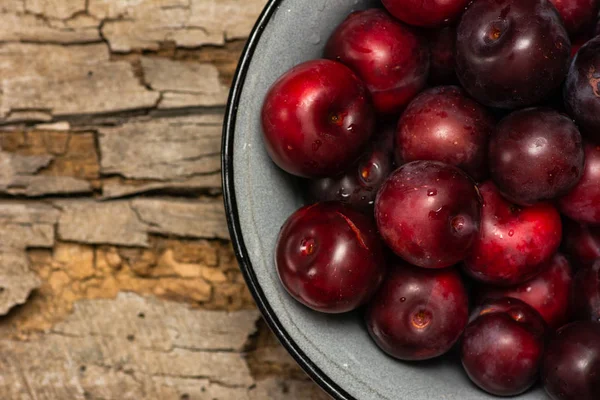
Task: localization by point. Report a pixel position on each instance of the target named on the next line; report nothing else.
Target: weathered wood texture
(117, 279)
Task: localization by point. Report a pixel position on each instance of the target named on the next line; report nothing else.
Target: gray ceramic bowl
(336, 351)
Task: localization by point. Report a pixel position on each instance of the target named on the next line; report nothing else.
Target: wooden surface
(117, 278)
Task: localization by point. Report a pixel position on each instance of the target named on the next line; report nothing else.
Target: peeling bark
(101, 223)
(18, 27)
(162, 149)
(141, 348)
(115, 188)
(184, 84)
(112, 339)
(19, 176)
(35, 76)
(16, 280)
(117, 280)
(47, 162)
(188, 23)
(194, 219)
(21, 226)
(55, 8)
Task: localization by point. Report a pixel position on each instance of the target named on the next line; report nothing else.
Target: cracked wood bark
(117, 280)
(134, 337)
(21, 226)
(162, 150)
(146, 24)
(179, 83)
(59, 80)
(19, 24)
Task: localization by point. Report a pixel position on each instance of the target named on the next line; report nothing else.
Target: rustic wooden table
(117, 278)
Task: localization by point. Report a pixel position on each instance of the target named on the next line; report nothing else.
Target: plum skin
(443, 124)
(581, 242)
(427, 13)
(503, 345)
(358, 186)
(418, 314)
(582, 90)
(549, 293)
(514, 242)
(586, 293)
(390, 57)
(428, 213)
(317, 119)
(582, 203)
(511, 53)
(536, 154)
(329, 257)
(571, 366)
(577, 15)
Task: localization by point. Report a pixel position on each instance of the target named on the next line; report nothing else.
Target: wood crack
(119, 278)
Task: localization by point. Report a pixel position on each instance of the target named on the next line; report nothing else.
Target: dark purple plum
(582, 203)
(511, 53)
(418, 314)
(428, 213)
(317, 119)
(514, 243)
(586, 293)
(358, 186)
(443, 124)
(571, 366)
(549, 293)
(503, 345)
(582, 90)
(536, 154)
(577, 15)
(329, 257)
(390, 57)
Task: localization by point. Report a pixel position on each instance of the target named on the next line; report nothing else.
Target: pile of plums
(450, 155)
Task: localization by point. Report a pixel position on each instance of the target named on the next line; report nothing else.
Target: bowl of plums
(413, 193)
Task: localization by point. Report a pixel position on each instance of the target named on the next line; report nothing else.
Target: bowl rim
(232, 213)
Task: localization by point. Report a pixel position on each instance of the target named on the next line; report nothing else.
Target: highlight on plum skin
(358, 186)
(418, 314)
(549, 293)
(502, 347)
(578, 16)
(581, 91)
(582, 203)
(570, 366)
(511, 53)
(536, 155)
(389, 56)
(316, 119)
(329, 257)
(429, 14)
(444, 124)
(428, 213)
(514, 243)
